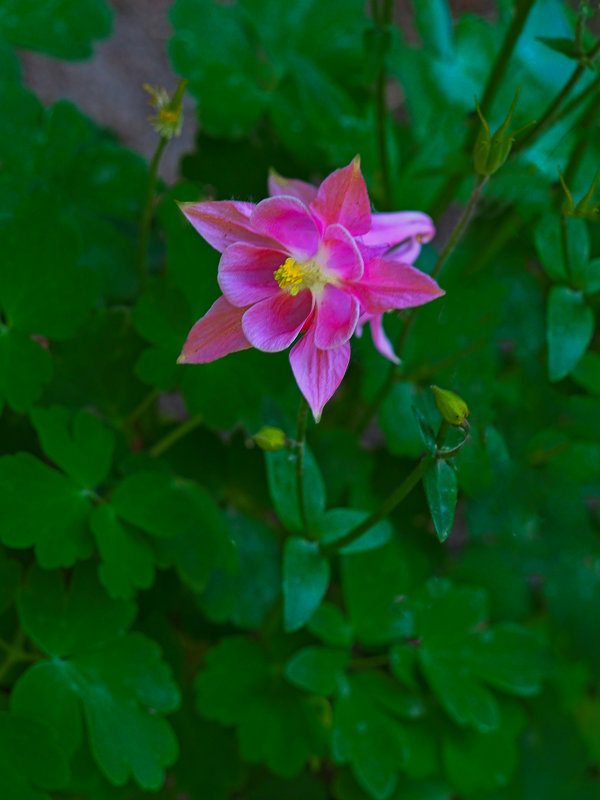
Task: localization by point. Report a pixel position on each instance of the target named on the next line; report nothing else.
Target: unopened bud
(492, 150)
(452, 407)
(270, 439)
(168, 120)
(584, 209)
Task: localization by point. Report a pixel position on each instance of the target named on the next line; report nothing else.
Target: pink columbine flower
(311, 261)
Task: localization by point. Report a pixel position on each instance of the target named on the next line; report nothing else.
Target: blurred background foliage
(164, 627)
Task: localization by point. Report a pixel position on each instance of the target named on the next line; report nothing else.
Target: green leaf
(337, 522)
(43, 289)
(561, 44)
(399, 421)
(10, 578)
(63, 621)
(30, 759)
(569, 330)
(63, 29)
(375, 585)
(330, 625)
(455, 657)
(276, 724)
(592, 277)
(25, 366)
(197, 537)
(425, 429)
(484, 761)
(441, 489)
(118, 679)
(246, 596)
(281, 472)
(40, 506)
(127, 559)
(369, 739)
(578, 240)
(317, 669)
(102, 355)
(157, 503)
(587, 372)
(305, 581)
(79, 444)
(549, 247)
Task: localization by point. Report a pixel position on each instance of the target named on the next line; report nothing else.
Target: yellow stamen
(290, 275)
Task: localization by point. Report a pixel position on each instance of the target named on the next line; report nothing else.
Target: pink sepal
(217, 334)
(343, 198)
(224, 222)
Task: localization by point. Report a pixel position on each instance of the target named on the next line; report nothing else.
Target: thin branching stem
(175, 436)
(146, 219)
(446, 252)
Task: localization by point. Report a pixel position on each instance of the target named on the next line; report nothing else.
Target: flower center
(293, 276)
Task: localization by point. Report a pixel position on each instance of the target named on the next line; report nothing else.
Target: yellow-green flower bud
(452, 407)
(492, 150)
(270, 439)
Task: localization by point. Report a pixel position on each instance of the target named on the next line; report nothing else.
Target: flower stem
(551, 111)
(299, 450)
(175, 435)
(448, 190)
(405, 488)
(139, 410)
(446, 252)
(147, 214)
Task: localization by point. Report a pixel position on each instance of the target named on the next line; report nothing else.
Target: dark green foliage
(177, 620)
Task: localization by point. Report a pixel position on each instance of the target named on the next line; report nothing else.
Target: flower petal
(305, 192)
(217, 334)
(318, 373)
(288, 221)
(386, 285)
(246, 273)
(380, 340)
(339, 253)
(336, 317)
(391, 229)
(343, 198)
(224, 222)
(274, 323)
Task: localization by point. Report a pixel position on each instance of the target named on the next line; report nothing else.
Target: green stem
(446, 252)
(461, 226)
(147, 214)
(448, 190)
(299, 449)
(501, 64)
(405, 488)
(143, 406)
(551, 111)
(175, 435)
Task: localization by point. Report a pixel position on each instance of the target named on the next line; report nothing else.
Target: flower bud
(584, 209)
(270, 439)
(452, 407)
(492, 150)
(168, 120)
